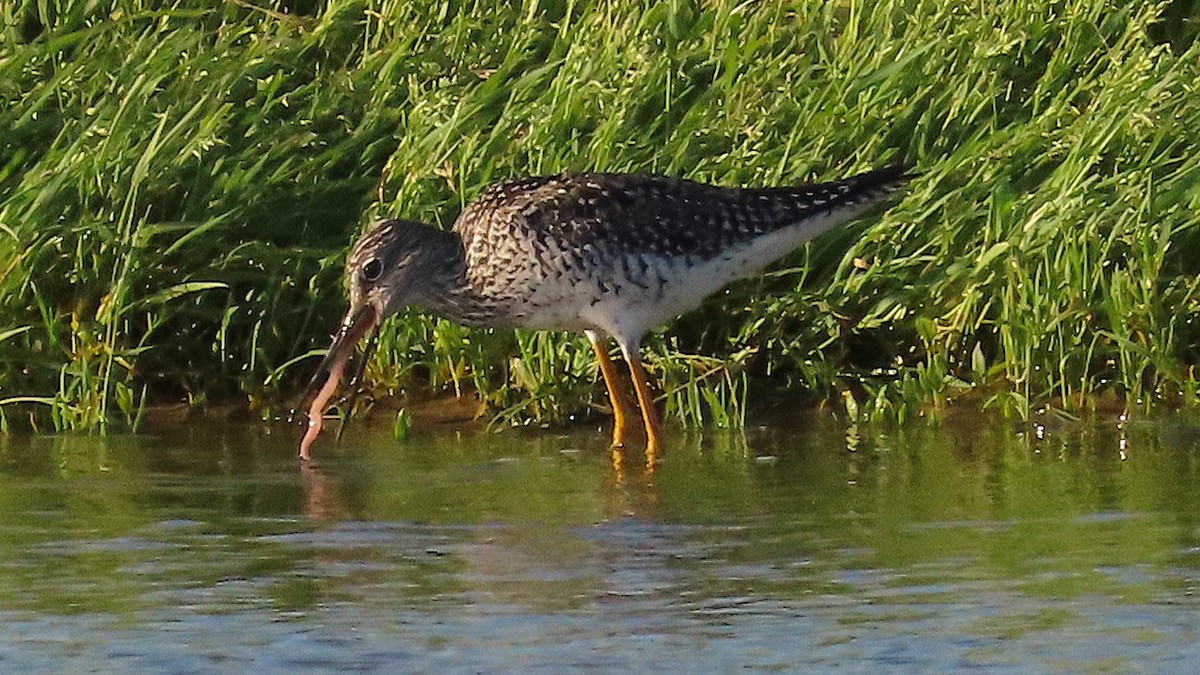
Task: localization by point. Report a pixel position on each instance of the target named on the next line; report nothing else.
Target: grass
(179, 183)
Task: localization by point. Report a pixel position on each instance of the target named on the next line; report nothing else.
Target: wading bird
(612, 255)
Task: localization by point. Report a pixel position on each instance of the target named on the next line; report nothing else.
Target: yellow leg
(620, 405)
(618, 464)
(646, 401)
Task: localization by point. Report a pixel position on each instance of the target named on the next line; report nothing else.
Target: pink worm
(316, 412)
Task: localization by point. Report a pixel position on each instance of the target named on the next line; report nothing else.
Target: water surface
(991, 546)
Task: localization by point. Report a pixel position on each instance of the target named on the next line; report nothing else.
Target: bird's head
(390, 267)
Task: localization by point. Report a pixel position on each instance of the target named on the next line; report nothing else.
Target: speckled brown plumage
(646, 214)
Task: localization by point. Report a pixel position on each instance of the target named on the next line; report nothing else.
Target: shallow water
(990, 546)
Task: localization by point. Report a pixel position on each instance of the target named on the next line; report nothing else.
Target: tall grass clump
(179, 183)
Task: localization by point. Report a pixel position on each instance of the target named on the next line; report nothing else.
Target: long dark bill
(354, 385)
(329, 373)
(353, 328)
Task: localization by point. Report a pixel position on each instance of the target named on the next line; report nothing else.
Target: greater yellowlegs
(612, 255)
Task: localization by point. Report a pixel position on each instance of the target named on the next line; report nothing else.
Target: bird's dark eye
(372, 270)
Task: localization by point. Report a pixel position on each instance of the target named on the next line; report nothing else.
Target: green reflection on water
(212, 521)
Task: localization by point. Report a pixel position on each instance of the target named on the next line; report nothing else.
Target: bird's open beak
(356, 325)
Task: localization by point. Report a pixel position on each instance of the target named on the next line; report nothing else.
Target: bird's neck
(450, 293)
